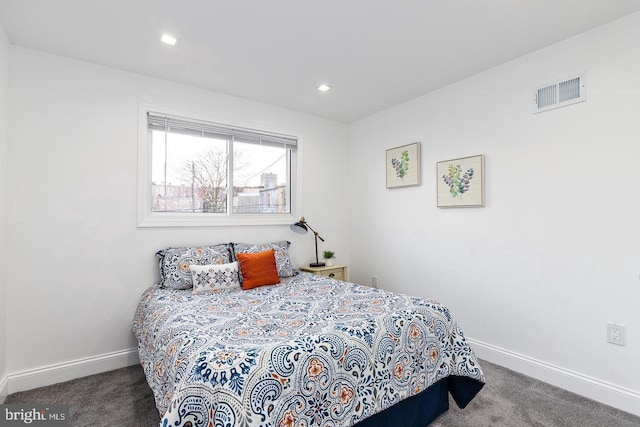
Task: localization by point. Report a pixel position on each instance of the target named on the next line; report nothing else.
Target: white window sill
(212, 220)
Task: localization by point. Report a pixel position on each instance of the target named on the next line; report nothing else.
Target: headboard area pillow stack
(281, 253)
(218, 267)
(174, 263)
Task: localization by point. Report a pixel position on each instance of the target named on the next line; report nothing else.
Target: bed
(307, 351)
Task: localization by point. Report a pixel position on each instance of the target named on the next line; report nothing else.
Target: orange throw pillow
(258, 269)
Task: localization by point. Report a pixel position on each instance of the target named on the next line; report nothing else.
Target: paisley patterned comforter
(310, 351)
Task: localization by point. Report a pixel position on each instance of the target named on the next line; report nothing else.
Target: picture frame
(403, 166)
(460, 182)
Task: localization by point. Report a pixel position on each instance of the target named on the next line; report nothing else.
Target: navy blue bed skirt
(423, 408)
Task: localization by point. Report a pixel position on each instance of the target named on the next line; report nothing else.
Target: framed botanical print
(403, 166)
(460, 182)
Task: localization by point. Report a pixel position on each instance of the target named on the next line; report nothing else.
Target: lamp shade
(299, 227)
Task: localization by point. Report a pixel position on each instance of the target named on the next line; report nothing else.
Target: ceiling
(375, 53)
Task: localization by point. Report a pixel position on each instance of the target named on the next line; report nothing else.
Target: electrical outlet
(374, 281)
(615, 333)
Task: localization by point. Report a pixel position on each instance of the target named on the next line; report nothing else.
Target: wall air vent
(560, 93)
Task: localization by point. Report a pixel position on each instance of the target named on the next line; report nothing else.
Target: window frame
(147, 218)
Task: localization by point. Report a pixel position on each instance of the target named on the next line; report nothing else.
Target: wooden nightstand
(337, 271)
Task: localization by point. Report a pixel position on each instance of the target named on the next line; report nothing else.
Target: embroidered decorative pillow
(214, 277)
(281, 250)
(258, 269)
(174, 263)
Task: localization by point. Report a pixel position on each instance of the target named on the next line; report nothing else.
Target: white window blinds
(165, 123)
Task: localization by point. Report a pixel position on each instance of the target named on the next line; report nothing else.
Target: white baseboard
(53, 374)
(593, 388)
(4, 389)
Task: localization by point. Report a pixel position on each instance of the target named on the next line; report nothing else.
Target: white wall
(534, 276)
(78, 262)
(4, 67)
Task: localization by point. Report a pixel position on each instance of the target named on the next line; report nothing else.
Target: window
(197, 172)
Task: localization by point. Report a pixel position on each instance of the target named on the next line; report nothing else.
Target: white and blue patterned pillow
(281, 253)
(174, 263)
(214, 277)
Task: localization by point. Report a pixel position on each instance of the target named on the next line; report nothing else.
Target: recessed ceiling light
(324, 88)
(168, 39)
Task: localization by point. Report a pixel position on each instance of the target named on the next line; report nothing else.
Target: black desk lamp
(301, 227)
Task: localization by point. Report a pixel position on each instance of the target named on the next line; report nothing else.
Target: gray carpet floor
(123, 398)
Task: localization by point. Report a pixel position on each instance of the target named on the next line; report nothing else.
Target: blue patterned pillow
(283, 263)
(174, 263)
(215, 277)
